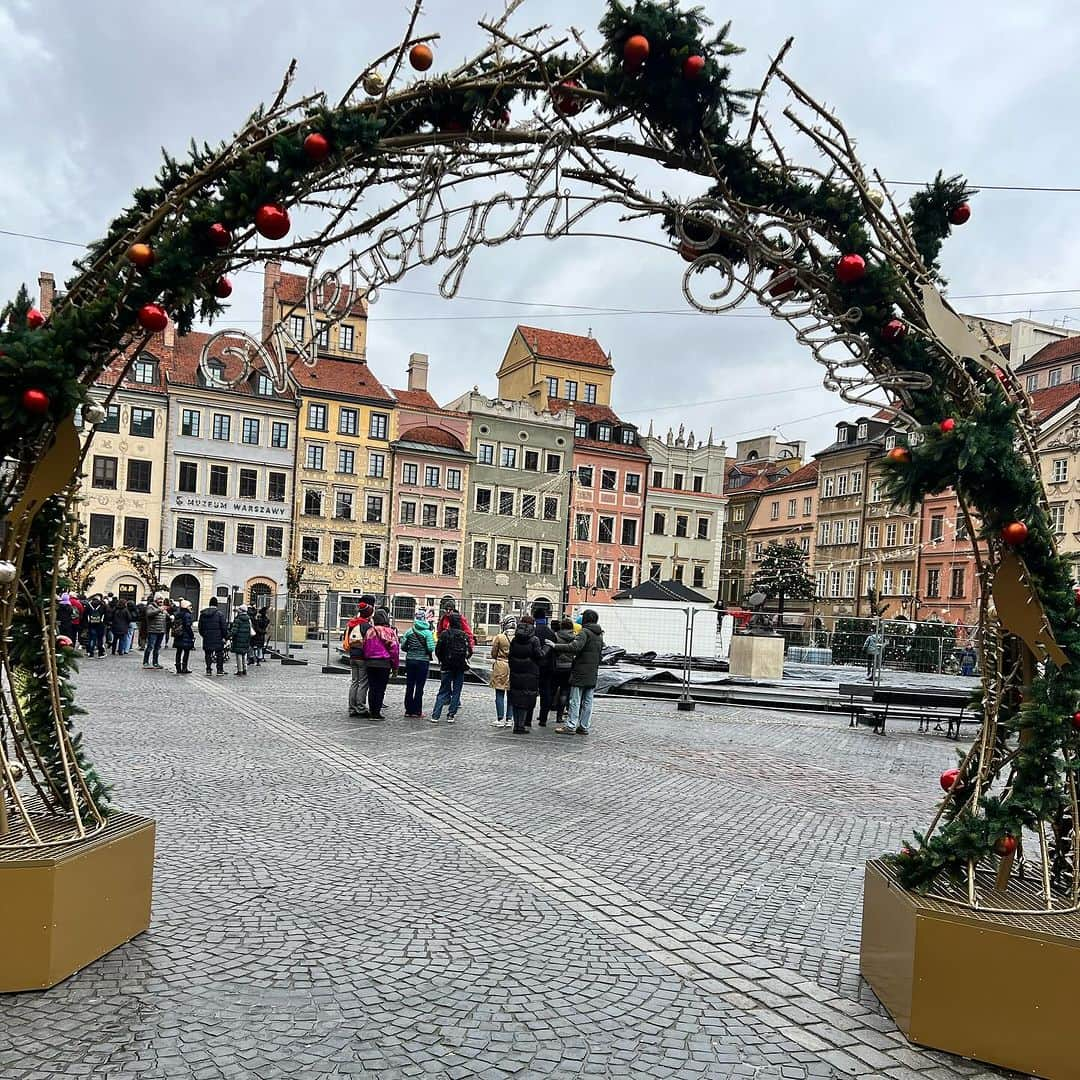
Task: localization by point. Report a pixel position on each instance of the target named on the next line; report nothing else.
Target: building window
(372, 555)
(343, 506)
(104, 472)
(657, 478)
(144, 371)
(890, 535)
(219, 479)
(553, 463)
(877, 490)
(111, 423)
(699, 577)
(249, 484)
(528, 506)
(590, 393)
(409, 473)
(842, 484)
(804, 543)
(348, 421)
(378, 425)
(429, 516)
(1060, 470)
(407, 512)
(502, 556)
(453, 479)
(483, 500)
(807, 506)
(222, 426)
(531, 460)
(189, 422)
(314, 458)
(216, 375)
(609, 479)
(250, 431)
(487, 613)
(582, 526)
(580, 574)
(551, 508)
(427, 560)
(508, 457)
(703, 528)
(699, 483)
(856, 483)
(682, 523)
(525, 560)
(431, 476)
(138, 475)
(374, 509)
(791, 506)
(485, 454)
(451, 517)
(605, 531)
(849, 582)
(629, 436)
(506, 503)
(937, 527)
(136, 533)
(828, 486)
(309, 549)
(659, 524)
(603, 432)
(449, 562)
(956, 590)
(633, 483)
(102, 530)
(339, 554)
(552, 386)
(245, 539)
(142, 423)
(774, 510)
(853, 531)
(264, 386)
(873, 535)
(479, 555)
(279, 435)
(547, 561)
(1055, 378)
(1057, 517)
(678, 481)
(322, 334)
(312, 502)
(376, 465)
(626, 576)
(629, 532)
(585, 476)
(655, 570)
(215, 536)
(346, 461)
(581, 429)
(571, 390)
(823, 533)
(297, 327)
(316, 417)
(909, 533)
(345, 338)
(275, 542)
(834, 583)
(933, 583)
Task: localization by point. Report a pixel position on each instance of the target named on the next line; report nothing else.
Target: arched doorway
(260, 595)
(308, 607)
(185, 587)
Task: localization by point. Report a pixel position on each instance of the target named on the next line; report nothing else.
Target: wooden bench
(873, 704)
(856, 692)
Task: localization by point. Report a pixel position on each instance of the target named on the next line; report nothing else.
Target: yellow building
(542, 364)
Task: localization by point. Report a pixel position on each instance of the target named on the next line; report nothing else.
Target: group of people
(533, 659)
(101, 621)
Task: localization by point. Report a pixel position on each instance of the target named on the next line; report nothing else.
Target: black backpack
(457, 649)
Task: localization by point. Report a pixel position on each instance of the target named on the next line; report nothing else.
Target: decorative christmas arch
(388, 168)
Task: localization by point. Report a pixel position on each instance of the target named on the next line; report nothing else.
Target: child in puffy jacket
(381, 657)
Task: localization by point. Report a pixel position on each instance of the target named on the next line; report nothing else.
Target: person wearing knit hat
(353, 644)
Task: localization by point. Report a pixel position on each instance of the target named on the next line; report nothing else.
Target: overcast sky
(90, 92)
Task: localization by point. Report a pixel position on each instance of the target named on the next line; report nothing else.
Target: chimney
(271, 278)
(418, 371)
(169, 334)
(46, 292)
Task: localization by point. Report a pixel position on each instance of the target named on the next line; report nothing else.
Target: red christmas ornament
(958, 215)
(850, 268)
(316, 147)
(785, 281)
(421, 57)
(64, 641)
(1076, 720)
(901, 455)
(1015, 533)
(222, 288)
(142, 255)
(272, 221)
(894, 330)
(34, 319)
(1076, 593)
(692, 67)
(947, 425)
(500, 119)
(453, 124)
(219, 236)
(35, 401)
(948, 778)
(688, 253)
(567, 104)
(636, 51)
(1005, 845)
(1000, 375)
(153, 317)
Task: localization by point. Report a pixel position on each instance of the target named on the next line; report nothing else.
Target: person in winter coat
(260, 623)
(121, 628)
(563, 665)
(586, 649)
(419, 646)
(527, 653)
(500, 671)
(212, 631)
(64, 623)
(184, 636)
(353, 644)
(382, 655)
(447, 610)
(96, 614)
(155, 629)
(453, 650)
(240, 638)
(546, 633)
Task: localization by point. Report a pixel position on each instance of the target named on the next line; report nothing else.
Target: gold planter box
(996, 988)
(62, 908)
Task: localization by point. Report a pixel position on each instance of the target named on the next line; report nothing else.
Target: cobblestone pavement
(673, 896)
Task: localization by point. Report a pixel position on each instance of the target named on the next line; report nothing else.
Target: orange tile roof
(807, 475)
(1065, 349)
(417, 399)
(333, 376)
(291, 288)
(181, 366)
(558, 346)
(431, 436)
(1047, 401)
(622, 449)
(582, 411)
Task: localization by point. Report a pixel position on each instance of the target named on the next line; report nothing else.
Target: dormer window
(862, 430)
(581, 429)
(215, 372)
(890, 441)
(264, 386)
(144, 370)
(603, 432)
(628, 436)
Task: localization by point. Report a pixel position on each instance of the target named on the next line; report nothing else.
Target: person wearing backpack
(453, 650)
(381, 657)
(419, 646)
(95, 620)
(353, 644)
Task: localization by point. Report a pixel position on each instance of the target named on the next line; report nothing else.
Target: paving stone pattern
(672, 896)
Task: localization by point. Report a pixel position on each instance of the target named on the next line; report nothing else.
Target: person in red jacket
(448, 609)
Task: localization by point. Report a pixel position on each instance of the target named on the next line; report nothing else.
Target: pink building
(948, 586)
(608, 508)
(428, 492)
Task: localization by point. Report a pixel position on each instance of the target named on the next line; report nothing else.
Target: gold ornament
(877, 199)
(373, 83)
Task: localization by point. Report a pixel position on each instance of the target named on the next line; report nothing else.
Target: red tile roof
(557, 346)
(431, 436)
(181, 366)
(332, 376)
(621, 449)
(806, 476)
(1047, 401)
(1065, 349)
(582, 411)
(417, 399)
(291, 288)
